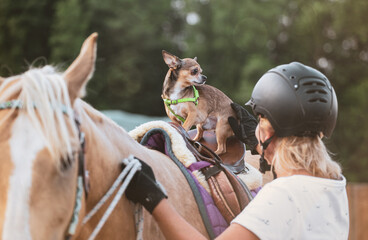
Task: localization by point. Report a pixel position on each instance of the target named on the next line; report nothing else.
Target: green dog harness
(169, 102)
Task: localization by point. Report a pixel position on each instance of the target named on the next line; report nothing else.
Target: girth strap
(191, 182)
(212, 171)
(229, 193)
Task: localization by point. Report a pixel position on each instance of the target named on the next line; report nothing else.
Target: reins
(125, 177)
(82, 180)
(169, 102)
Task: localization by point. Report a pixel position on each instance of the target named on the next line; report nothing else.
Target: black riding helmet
(297, 100)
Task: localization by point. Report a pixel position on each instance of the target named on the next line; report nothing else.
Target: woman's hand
(144, 188)
(245, 129)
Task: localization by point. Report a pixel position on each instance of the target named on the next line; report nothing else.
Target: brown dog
(190, 102)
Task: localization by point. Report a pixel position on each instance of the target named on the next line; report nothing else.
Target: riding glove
(144, 188)
(245, 130)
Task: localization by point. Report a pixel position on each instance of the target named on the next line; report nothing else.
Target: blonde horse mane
(44, 99)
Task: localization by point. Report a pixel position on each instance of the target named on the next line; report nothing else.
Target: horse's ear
(81, 70)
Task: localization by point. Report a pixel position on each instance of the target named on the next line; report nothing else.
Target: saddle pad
(215, 224)
(253, 178)
(161, 136)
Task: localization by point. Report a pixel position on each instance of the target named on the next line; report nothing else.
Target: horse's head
(39, 147)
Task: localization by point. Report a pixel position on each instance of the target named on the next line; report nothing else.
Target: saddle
(229, 193)
(233, 158)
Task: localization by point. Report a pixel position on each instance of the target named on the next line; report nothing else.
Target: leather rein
(82, 181)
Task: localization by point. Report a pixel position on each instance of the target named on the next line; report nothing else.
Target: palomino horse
(42, 157)
(39, 147)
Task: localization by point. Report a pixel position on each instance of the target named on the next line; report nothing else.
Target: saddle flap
(222, 192)
(241, 190)
(235, 149)
(229, 193)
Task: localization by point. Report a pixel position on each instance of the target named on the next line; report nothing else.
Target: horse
(50, 138)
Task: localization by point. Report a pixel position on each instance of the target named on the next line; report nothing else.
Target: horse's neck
(106, 143)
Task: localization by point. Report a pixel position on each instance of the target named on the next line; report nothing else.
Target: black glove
(245, 131)
(144, 189)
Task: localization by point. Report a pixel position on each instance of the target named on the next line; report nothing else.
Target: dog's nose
(204, 78)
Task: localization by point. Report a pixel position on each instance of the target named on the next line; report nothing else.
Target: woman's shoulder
(307, 178)
(302, 182)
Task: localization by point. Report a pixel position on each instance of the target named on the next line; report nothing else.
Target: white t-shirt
(298, 207)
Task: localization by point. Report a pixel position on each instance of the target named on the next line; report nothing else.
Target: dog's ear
(195, 59)
(2, 80)
(171, 60)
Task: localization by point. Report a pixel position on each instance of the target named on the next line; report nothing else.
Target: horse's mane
(44, 97)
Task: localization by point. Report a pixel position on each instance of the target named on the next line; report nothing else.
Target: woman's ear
(269, 133)
(265, 129)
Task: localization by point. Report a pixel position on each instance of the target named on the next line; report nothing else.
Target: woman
(296, 107)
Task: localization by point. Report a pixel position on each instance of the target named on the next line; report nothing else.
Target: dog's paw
(220, 151)
(197, 138)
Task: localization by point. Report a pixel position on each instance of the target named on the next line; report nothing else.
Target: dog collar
(169, 102)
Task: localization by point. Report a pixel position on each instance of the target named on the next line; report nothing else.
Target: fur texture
(213, 108)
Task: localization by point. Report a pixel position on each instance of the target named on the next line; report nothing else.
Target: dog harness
(169, 102)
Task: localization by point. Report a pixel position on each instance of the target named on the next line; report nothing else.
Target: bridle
(132, 165)
(82, 179)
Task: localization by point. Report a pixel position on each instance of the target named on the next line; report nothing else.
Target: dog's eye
(195, 71)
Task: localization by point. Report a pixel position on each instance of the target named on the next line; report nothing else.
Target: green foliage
(352, 132)
(130, 69)
(25, 29)
(235, 41)
(331, 36)
(69, 29)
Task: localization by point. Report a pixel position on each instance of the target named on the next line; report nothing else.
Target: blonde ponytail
(305, 153)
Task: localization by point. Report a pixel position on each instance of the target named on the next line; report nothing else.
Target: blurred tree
(25, 27)
(237, 41)
(132, 36)
(331, 36)
(69, 29)
(349, 59)
(233, 41)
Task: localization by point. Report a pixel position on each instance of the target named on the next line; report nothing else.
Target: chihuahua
(188, 101)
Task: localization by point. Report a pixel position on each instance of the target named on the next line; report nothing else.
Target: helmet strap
(263, 164)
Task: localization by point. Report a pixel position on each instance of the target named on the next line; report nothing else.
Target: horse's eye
(195, 71)
(67, 162)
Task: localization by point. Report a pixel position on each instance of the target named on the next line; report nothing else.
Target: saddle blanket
(253, 178)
